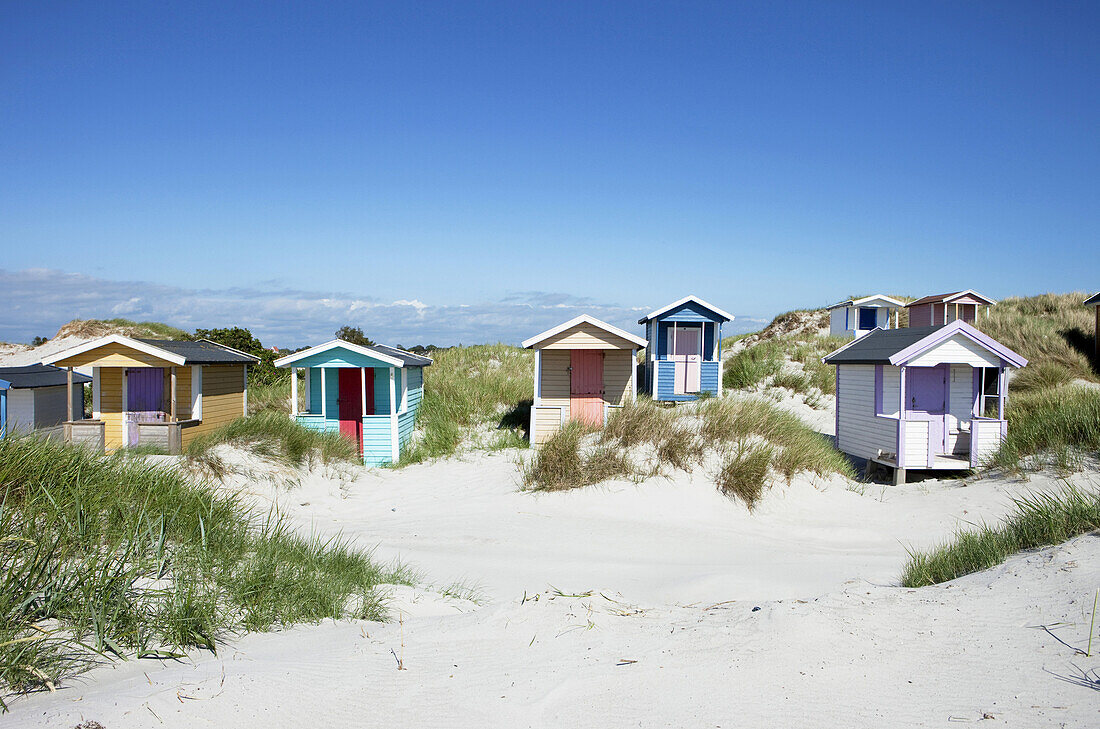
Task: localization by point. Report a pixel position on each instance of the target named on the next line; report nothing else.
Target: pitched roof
(389, 355)
(584, 319)
(898, 346)
(202, 351)
(39, 375)
(1093, 301)
(864, 300)
(681, 302)
(4, 384)
(179, 352)
(947, 298)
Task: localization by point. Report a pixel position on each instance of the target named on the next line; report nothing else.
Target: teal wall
(376, 429)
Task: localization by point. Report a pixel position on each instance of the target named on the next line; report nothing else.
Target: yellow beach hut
(583, 368)
(156, 392)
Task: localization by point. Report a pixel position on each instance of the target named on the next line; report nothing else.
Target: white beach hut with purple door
(922, 398)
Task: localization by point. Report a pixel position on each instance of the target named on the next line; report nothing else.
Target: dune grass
(1039, 520)
(1059, 426)
(90, 328)
(753, 365)
(466, 388)
(105, 557)
(1053, 331)
(754, 442)
(275, 436)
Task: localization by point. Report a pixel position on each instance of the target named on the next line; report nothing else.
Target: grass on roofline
(108, 556)
(755, 444)
(275, 436)
(1039, 520)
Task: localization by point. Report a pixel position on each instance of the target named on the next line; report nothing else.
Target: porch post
(324, 405)
(394, 446)
(173, 401)
(69, 390)
(309, 399)
(294, 393)
(1002, 383)
(901, 417)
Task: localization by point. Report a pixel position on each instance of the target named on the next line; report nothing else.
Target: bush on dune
(105, 556)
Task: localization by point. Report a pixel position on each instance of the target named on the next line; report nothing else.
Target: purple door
(926, 388)
(144, 399)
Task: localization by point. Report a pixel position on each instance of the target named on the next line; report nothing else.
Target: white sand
(675, 571)
(21, 355)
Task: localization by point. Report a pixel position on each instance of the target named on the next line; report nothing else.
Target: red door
(586, 386)
(350, 399)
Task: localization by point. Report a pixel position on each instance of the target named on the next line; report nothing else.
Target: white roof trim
(116, 339)
(859, 302)
(341, 344)
(971, 292)
(226, 346)
(685, 300)
(584, 319)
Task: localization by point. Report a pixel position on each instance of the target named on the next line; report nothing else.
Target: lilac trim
(878, 389)
(977, 394)
(901, 419)
(1001, 381)
(957, 327)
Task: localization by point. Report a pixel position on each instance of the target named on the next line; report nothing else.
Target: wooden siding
(860, 432)
(586, 336)
(708, 380)
(891, 398)
(554, 382)
(547, 422)
(921, 316)
(986, 438)
(222, 399)
(957, 350)
(916, 444)
(110, 406)
(617, 367)
(113, 355)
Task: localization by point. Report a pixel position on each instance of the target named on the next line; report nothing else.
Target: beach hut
(370, 395)
(922, 397)
(1094, 302)
(155, 392)
(684, 349)
(582, 368)
(4, 385)
(946, 308)
(855, 317)
(37, 397)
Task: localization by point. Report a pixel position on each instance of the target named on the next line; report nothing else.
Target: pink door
(586, 386)
(686, 350)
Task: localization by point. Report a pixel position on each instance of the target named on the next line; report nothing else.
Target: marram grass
(1039, 520)
(105, 556)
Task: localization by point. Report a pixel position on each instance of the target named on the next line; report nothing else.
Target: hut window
(868, 318)
(990, 392)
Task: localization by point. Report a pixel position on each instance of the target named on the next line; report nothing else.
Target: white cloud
(38, 301)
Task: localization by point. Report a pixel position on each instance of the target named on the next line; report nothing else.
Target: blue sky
(505, 165)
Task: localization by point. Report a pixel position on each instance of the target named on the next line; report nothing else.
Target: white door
(686, 348)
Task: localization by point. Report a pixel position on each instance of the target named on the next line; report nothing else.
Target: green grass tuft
(275, 436)
(110, 556)
(1059, 424)
(1039, 520)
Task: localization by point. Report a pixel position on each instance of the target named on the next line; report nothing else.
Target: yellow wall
(554, 387)
(222, 399)
(113, 355)
(586, 336)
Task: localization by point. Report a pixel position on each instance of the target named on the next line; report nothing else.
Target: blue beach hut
(370, 395)
(4, 387)
(684, 350)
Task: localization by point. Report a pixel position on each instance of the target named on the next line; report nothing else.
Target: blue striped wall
(708, 380)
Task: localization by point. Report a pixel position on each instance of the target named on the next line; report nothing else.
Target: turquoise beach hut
(370, 395)
(684, 349)
(4, 387)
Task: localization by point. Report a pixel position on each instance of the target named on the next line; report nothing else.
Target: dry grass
(92, 328)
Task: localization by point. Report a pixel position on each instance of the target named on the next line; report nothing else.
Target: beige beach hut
(583, 368)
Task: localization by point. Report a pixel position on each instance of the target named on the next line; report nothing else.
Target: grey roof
(408, 358)
(881, 344)
(1094, 301)
(201, 351)
(39, 375)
